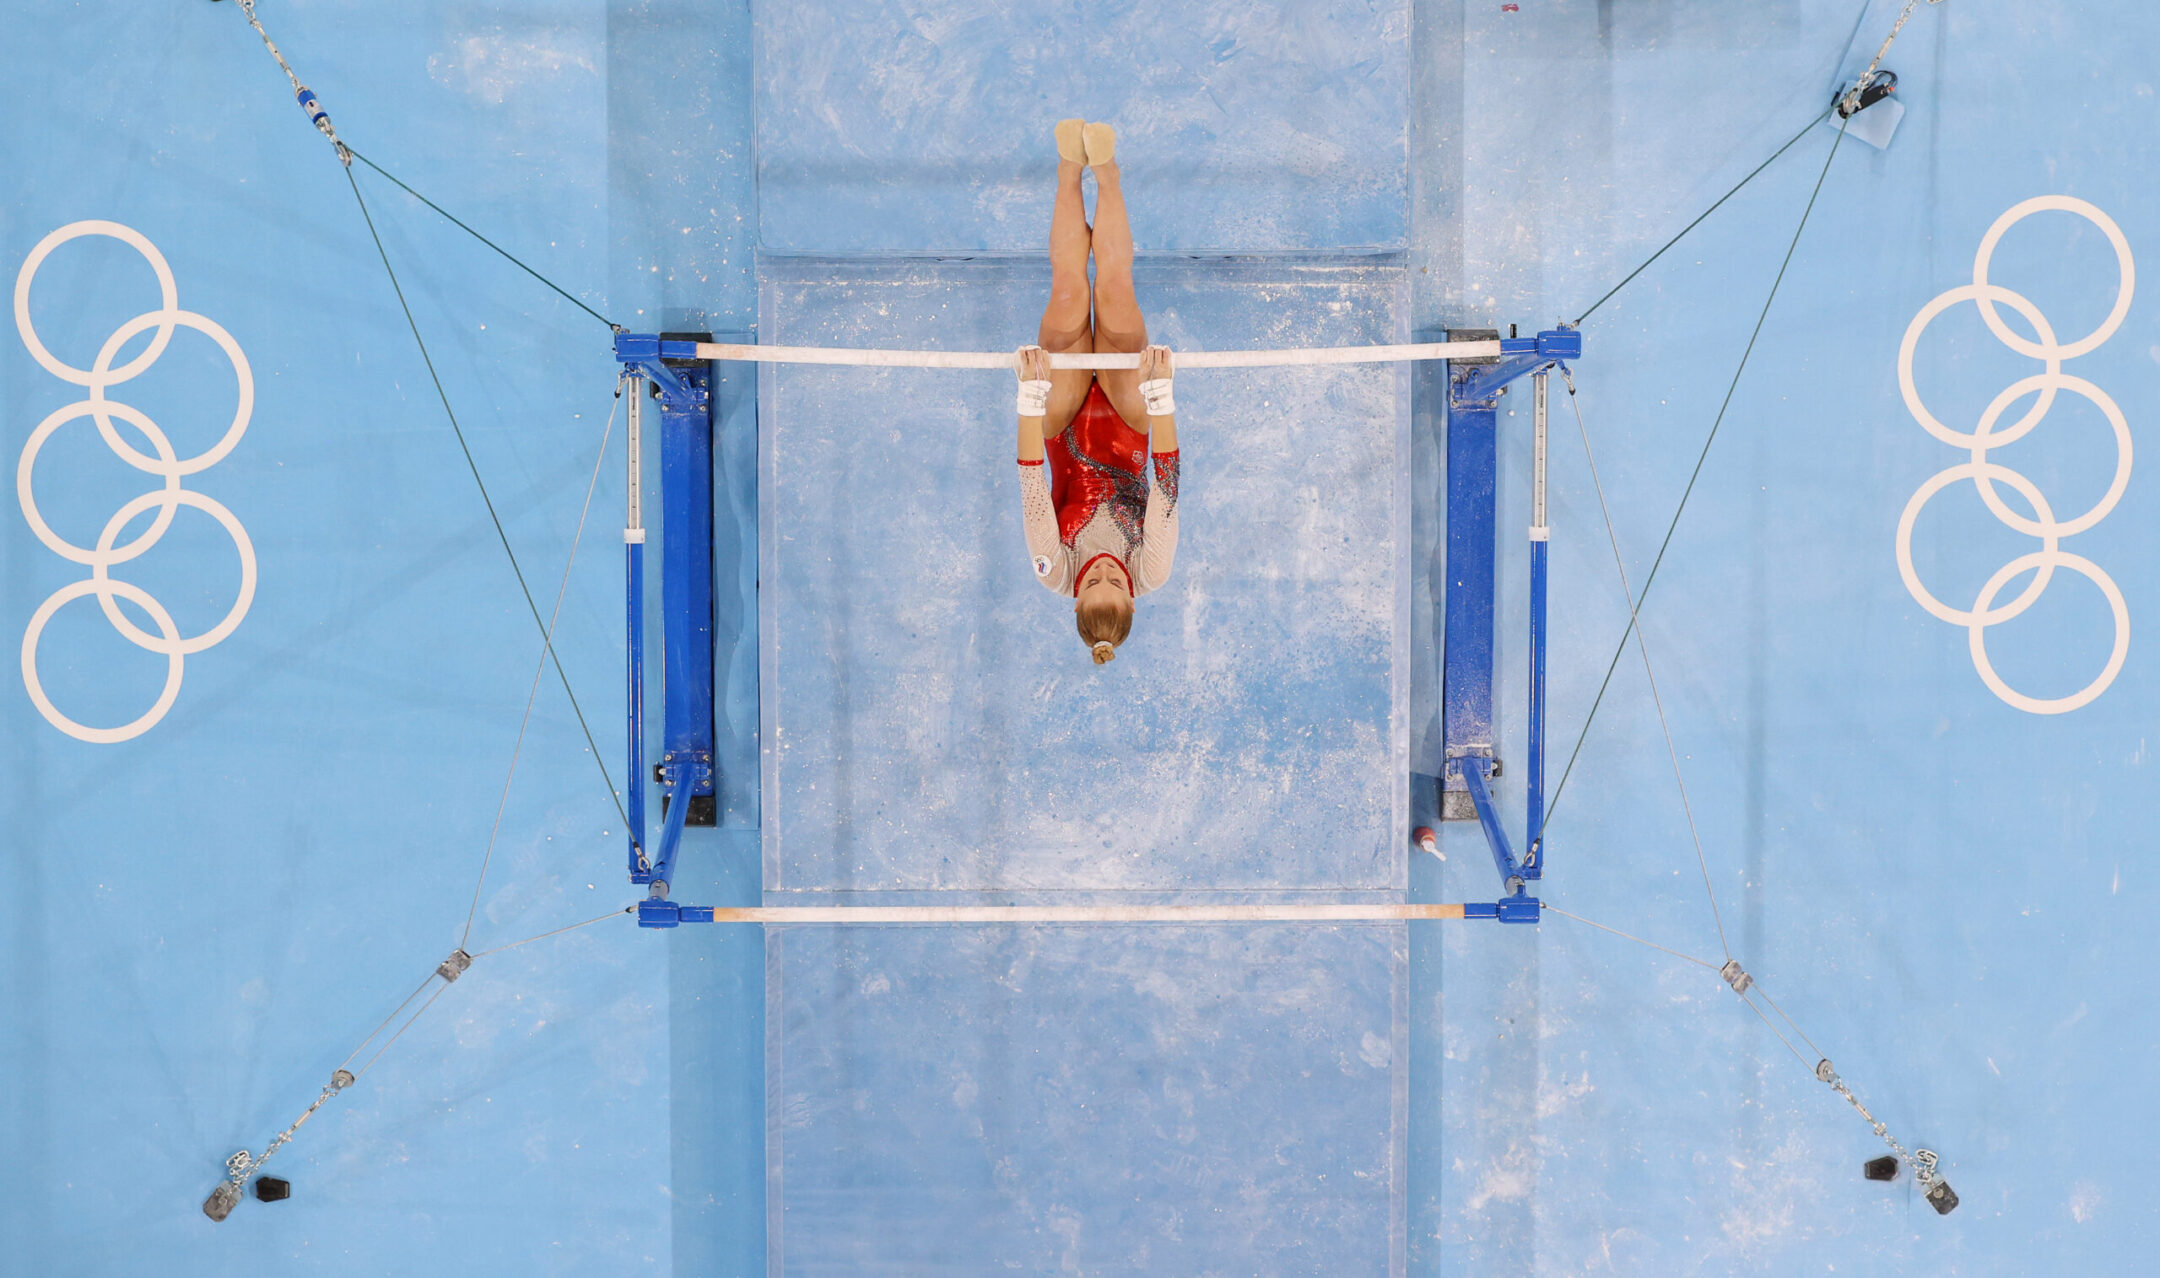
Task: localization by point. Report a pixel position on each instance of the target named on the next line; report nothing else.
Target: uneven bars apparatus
(1480, 366)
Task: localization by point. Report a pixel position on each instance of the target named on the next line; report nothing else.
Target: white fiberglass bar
(1181, 360)
(1085, 913)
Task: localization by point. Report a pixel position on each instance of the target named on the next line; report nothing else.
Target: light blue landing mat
(1043, 1097)
(1186, 1100)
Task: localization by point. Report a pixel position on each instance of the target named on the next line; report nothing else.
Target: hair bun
(1104, 650)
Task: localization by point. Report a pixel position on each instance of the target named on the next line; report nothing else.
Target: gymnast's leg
(1119, 326)
(1065, 319)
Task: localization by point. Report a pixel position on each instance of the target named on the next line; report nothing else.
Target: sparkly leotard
(1100, 497)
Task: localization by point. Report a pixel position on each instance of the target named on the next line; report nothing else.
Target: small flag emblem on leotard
(1042, 565)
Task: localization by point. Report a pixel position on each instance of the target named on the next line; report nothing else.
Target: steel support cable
(1642, 647)
(417, 991)
(442, 974)
(532, 694)
(1647, 262)
(1752, 984)
(245, 1163)
(568, 927)
(439, 974)
(1548, 905)
(348, 155)
(345, 155)
(1789, 1020)
(494, 518)
(1742, 983)
(1852, 95)
(1635, 602)
(506, 254)
(1767, 1024)
(242, 1164)
(1925, 1162)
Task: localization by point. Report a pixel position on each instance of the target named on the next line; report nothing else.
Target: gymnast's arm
(1159, 524)
(1052, 561)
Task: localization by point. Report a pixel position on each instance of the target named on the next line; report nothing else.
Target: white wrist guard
(1156, 391)
(1034, 399)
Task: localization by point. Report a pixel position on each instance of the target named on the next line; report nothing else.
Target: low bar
(658, 912)
(1084, 913)
(1182, 360)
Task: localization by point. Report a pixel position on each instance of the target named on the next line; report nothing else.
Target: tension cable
(532, 694)
(1636, 601)
(507, 255)
(1926, 1164)
(244, 1163)
(1743, 983)
(1647, 262)
(321, 119)
(1642, 647)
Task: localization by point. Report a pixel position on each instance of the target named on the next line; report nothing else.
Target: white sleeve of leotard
(1158, 527)
(1050, 557)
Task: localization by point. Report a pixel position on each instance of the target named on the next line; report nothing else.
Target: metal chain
(1742, 982)
(1923, 1160)
(241, 1164)
(1850, 102)
(301, 93)
(244, 1164)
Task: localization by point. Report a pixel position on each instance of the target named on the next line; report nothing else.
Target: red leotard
(1095, 460)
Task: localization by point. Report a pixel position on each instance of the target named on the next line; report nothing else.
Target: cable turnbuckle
(452, 967)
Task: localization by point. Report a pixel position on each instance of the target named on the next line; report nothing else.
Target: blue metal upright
(1466, 675)
(1470, 760)
(687, 769)
(686, 592)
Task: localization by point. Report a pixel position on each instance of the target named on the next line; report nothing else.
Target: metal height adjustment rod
(1533, 861)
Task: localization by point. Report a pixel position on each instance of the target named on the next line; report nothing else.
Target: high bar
(1381, 913)
(1181, 360)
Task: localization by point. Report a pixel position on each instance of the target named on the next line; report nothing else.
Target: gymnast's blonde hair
(1104, 625)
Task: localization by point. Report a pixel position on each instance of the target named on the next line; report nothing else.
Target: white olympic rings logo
(168, 498)
(1985, 474)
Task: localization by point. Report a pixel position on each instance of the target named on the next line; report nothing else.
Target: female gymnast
(1102, 525)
